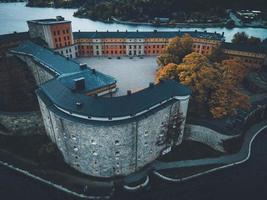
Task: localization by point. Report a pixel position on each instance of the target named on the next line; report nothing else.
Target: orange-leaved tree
(214, 85)
(175, 51)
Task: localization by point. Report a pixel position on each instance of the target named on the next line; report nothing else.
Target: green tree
(240, 38)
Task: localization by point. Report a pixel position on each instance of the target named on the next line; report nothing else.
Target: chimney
(60, 18)
(93, 71)
(155, 31)
(129, 92)
(83, 66)
(79, 84)
(78, 104)
(151, 85)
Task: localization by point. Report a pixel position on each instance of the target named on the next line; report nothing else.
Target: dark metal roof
(151, 34)
(262, 48)
(14, 37)
(67, 69)
(48, 21)
(54, 92)
(93, 80)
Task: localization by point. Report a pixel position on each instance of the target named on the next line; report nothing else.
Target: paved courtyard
(131, 74)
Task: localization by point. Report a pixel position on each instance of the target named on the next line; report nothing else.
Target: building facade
(254, 56)
(57, 33)
(103, 136)
(108, 136)
(139, 43)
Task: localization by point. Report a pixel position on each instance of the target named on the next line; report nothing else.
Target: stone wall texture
(24, 123)
(206, 136)
(107, 150)
(40, 75)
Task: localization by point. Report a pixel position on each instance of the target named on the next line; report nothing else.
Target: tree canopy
(215, 86)
(243, 38)
(176, 50)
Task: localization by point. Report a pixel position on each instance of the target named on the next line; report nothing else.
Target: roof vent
(155, 31)
(129, 92)
(83, 66)
(222, 33)
(195, 31)
(93, 71)
(79, 104)
(118, 31)
(79, 84)
(126, 31)
(151, 85)
(137, 31)
(60, 18)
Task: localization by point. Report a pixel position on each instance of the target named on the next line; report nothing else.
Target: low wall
(206, 136)
(21, 123)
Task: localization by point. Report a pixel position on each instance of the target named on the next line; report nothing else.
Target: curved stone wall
(206, 136)
(109, 149)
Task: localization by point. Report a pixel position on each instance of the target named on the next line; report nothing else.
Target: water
(13, 17)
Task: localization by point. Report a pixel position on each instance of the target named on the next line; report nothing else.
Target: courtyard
(131, 74)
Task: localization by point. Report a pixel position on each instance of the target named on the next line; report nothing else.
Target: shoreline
(176, 25)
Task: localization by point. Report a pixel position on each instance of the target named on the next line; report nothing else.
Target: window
(55, 39)
(93, 142)
(58, 32)
(67, 30)
(117, 142)
(63, 31)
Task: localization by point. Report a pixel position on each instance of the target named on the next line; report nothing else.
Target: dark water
(13, 17)
(246, 181)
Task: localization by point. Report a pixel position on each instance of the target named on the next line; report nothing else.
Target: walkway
(225, 161)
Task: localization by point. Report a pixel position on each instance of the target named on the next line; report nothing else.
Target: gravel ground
(132, 74)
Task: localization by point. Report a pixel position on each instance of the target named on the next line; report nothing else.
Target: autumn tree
(176, 50)
(214, 85)
(226, 97)
(167, 72)
(217, 54)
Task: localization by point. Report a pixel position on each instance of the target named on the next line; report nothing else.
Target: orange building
(140, 43)
(57, 33)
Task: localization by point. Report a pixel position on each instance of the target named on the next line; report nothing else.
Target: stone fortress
(97, 134)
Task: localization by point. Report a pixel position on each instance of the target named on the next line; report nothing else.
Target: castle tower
(57, 33)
